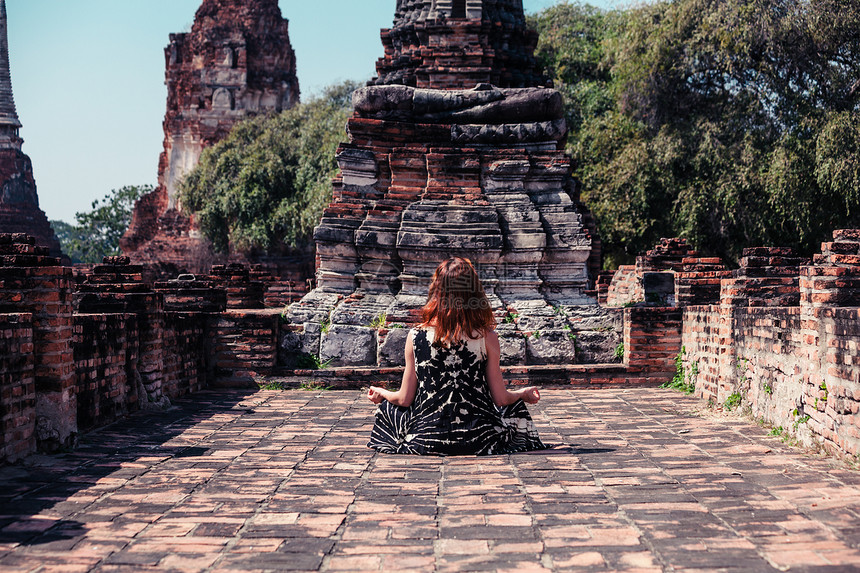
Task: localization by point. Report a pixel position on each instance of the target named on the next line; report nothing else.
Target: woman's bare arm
(408, 386)
(501, 395)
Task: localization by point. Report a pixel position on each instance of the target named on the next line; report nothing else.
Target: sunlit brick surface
(638, 481)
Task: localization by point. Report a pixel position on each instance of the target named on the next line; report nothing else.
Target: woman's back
(453, 412)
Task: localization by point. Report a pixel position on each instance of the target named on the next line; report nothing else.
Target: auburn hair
(457, 306)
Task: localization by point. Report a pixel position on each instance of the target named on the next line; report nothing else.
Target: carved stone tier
(455, 149)
(445, 44)
(429, 174)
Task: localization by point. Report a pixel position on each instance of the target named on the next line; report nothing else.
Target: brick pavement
(282, 481)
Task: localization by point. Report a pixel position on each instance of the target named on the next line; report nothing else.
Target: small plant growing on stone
(325, 325)
(537, 334)
(313, 362)
(312, 386)
(776, 432)
(379, 321)
(558, 310)
(510, 317)
(823, 388)
(768, 389)
(732, 401)
(271, 385)
(619, 351)
(801, 420)
(681, 381)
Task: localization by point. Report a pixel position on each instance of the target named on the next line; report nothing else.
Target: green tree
(267, 183)
(68, 234)
(730, 122)
(97, 232)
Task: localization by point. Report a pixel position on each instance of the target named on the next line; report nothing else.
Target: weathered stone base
(369, 329)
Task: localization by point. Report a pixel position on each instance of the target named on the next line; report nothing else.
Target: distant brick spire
(9, 122)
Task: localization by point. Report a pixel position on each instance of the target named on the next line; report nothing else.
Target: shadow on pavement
(41, 484)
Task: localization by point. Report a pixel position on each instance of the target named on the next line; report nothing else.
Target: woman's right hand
(530, 395)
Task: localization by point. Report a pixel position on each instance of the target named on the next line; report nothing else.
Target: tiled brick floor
(282, 481)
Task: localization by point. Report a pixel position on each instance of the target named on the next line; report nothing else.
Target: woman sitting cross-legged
(453, 400)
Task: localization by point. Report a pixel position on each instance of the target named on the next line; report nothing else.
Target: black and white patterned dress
(453, 412)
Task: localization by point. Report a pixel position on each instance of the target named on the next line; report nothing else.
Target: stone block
(513, 348)
(391, 346)
(295, 346)
(593, 318)
(597, 347)
(348, 345)
(551, 347)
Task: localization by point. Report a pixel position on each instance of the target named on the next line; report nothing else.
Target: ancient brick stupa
(237, 61)
(456, 148)
(19, 203)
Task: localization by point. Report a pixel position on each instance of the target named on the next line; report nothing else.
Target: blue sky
(88, 78)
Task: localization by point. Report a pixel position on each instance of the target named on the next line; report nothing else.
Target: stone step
(555, 375)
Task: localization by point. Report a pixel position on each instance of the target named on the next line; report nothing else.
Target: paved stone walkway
(282, 481)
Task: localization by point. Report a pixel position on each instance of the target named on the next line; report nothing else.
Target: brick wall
(34, 282)
(104, 393)
(17, 387)
(186, 367)
(244, 345)
(785, 338)
(88, 351)
(652, 340)
(625, 287)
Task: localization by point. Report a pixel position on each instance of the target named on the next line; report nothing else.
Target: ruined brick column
(653, 278)
(456, 148)
(118, 287)
(17, 387)
(31, 281)
(236, 62)
(830, 330)
(19, 203)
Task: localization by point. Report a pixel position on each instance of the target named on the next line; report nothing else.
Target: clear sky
(88, 78)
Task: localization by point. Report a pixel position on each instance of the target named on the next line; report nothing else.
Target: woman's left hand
(375, 395)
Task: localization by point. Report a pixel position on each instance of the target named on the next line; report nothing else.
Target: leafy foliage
(268, 182)
(729, 122)
(96, 233)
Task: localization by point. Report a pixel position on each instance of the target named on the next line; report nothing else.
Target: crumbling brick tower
(237, 61)
(19, 203)
(456, 148)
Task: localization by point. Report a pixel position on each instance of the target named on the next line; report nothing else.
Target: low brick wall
(585, 375)
(700, 341)
(780, 346)
(101, 349)
(186, 363)
(244, 346)
(17, 387)
(652, 339)
(626, 287)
